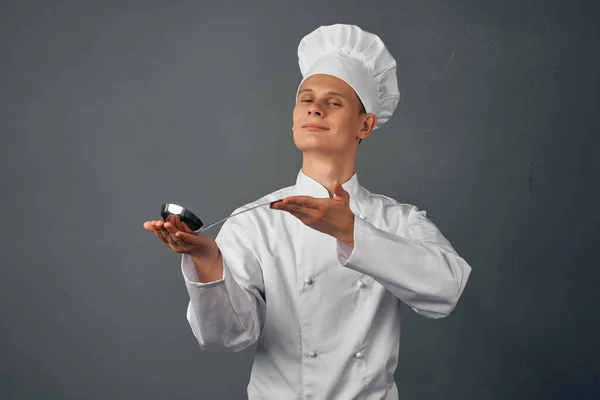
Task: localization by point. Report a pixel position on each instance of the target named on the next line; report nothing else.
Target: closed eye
(332, 103)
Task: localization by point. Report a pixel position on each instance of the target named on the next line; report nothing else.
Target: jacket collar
(306, 185)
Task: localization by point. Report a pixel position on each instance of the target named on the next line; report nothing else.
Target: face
(327, 117)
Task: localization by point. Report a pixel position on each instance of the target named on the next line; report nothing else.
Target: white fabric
(326, 316)
(357, 57)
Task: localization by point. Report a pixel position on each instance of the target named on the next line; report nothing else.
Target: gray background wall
(109, 109)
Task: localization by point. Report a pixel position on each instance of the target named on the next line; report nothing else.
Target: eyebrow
(328, 93)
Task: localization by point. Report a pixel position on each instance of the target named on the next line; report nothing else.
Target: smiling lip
(315, 127)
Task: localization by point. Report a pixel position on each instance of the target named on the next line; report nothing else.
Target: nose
(314, 109)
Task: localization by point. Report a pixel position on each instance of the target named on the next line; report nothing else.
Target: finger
(163, 226)
(162, 232)
(159, 234)
(278, 205)
(176, 245)
(275, 204)
(294, 199)
(300, 211)
(182, 226)
(149, 226)
(180, 238)
(172, 223)
(157, 225)
(187, 238)
(294, 208)
(303, 201)
(338, 190)
(170, 227)
(171, 230)
(177, 223)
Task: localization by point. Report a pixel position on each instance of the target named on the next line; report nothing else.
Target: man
(317, 278)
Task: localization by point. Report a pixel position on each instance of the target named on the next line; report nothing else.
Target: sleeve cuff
(344, 251)
(190, 275)
(350, 255)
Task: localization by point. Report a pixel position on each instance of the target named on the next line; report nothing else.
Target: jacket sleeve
(417, 263)
(228, 313)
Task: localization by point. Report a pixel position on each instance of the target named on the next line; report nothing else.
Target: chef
(316, 280)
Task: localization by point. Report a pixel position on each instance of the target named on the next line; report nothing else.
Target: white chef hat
(357, 57)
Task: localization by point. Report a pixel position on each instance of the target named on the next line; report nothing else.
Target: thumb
(338, 190)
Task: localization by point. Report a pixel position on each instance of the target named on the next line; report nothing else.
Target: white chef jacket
(326, 316)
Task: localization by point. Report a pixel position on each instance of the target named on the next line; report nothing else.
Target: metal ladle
(192, 221)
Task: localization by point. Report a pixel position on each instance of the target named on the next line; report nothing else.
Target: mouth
(314, 127)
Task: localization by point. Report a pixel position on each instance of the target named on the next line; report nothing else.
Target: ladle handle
(202, 229)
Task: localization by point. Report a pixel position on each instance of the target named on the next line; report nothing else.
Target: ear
(368, 124)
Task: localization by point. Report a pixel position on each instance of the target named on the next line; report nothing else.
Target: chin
(304, 143)
(316, 148)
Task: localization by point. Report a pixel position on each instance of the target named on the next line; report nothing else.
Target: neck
(325, 170)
